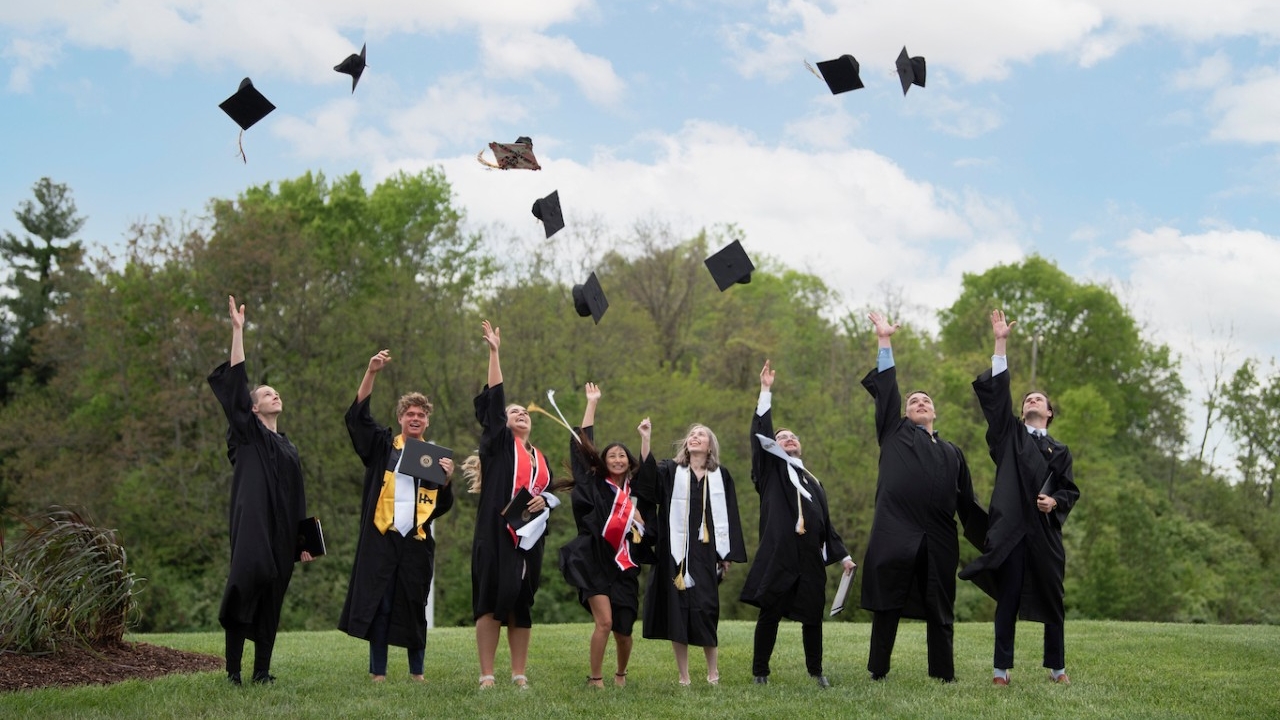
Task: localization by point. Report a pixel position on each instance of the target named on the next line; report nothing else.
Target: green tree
(34, 261)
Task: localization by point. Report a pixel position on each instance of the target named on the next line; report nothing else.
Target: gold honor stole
(384, 516)
(531, 472)
(615, 530)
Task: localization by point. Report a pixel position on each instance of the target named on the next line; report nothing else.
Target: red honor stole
(615, 529)
(531, 472)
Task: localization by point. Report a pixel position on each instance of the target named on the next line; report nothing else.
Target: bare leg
(518, 642)
(713, 664)
(602, 613)
(487, 631)
(624, 657)
(681, 651)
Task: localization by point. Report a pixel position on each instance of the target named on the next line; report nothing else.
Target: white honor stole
(678, 517)
(771, 446)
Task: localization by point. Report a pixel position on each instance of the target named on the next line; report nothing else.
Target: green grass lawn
(1119, 670)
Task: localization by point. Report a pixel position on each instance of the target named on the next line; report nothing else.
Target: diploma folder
(310, 538)
(516, 513)
(846, 579)
(421, 459)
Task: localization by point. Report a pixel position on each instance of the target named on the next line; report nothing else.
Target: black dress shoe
(233, 678)
(822, 681)
(877, 677)
(261, 678)
(762, 679)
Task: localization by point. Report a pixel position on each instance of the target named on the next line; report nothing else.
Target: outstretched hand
(999, 326)
(882, 326)
(379, 361)
(492, 336)
(645, 428)
(766, 376)
(237, 316)
(593, 392)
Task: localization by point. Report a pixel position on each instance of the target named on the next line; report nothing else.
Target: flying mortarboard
(246, 106)
(910, 70)
(589, 299)
(354, 66)
(841, 74)
(730, 265)
(511, 156)
(547, 210)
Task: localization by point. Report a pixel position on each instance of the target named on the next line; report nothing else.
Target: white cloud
(1210, 74)
(1249, 112)
(25, 57)
(520, 54)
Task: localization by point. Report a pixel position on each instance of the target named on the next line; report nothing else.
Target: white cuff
(764, 403)
(999, 363)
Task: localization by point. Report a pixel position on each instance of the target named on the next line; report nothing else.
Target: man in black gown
(1023, 562)
(910, 566)
(395, 553)
(797, 541)
(268, 501)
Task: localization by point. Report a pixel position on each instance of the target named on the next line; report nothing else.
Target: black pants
(262, 648)
(939, 636)
(1009, 578)
(767, 637)
(378, 636)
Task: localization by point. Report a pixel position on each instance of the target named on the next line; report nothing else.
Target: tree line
(103, 362)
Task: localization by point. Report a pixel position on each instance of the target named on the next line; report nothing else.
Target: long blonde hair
(713, 448)
(471, 473)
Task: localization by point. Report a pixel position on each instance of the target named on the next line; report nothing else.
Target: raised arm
(646, 431)
(376, 363)
(493, 339)
(237, 331)
(884, 331)
(1000, 329)
(593, 398)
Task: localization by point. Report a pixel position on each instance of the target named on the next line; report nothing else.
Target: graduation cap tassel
(679, 579)
(240, 144)
(533, 407)
(800, 530)
(703, 535)
(484, 161)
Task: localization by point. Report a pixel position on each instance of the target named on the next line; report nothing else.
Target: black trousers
(262, 648)
(767, 636)
(939, 636)
(1009, 578)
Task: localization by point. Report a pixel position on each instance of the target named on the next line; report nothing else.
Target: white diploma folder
(837, 603)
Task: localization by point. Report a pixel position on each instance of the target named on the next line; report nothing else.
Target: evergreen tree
(33, 262)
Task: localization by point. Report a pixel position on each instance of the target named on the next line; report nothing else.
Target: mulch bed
(100, 666)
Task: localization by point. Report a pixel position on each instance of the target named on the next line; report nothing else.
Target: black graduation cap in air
(841, 74)
(547, 210)
(354, 66)
(910, 70)
(511, 156)
(730, 265)
(589, 299)
(247, 106)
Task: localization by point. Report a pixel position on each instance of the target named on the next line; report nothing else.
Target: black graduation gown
(688, 616)
(1021, 471)
(784, 558)
(587, 561)
(379, 556)
(268, 501)
(922, 485)
(503, 577)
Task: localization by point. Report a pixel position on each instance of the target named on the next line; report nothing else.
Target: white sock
(1058, 673)
(1002, 674)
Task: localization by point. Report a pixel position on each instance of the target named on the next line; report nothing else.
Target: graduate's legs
(602, 613)
(940, 639)
(488, 629)
(765, 639)
(378, 633)
(518, 643)
(1055, 652)
(884, 633)
(235, 652)
(681, 651)
(265, 625)
(811, 635)
(624, 620)
(1009, 581)
(713, 663)
(417, 660)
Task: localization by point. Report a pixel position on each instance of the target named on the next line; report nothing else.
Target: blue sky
(1134, 142)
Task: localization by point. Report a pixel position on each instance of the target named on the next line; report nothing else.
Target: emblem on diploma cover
(425, 461)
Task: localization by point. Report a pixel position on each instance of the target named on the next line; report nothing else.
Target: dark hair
(1053, 409)
(917, 392)
(594, 459)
